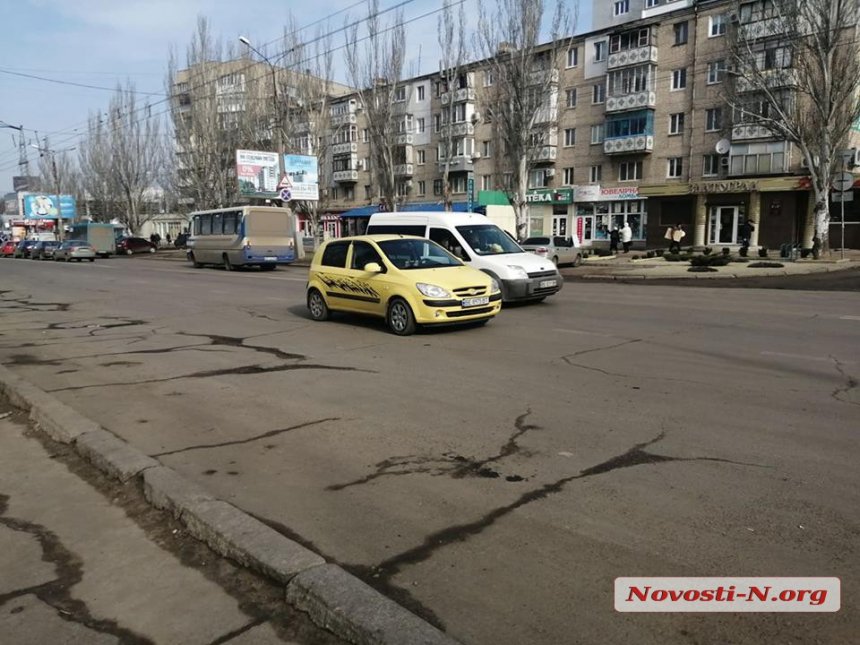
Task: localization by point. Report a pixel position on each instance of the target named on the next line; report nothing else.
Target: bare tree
(94, 161)
(796, 68)
(451, 31)
(376, 70)
(220, 102)
(136, 151)
(523, 101)
(58, 173)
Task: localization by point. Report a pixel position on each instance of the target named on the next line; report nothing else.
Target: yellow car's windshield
(415, 253)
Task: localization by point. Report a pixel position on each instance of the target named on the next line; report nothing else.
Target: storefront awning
(457, 207)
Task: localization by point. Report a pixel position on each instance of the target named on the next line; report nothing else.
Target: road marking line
(581, 331)
(849, 317)
(804, 357)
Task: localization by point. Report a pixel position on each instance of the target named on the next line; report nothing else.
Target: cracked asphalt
(494, 480)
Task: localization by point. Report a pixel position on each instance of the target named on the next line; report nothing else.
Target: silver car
(559, 249)
(75, 250)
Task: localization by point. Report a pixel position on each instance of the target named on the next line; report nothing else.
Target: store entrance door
(559, 225)
(723, 225)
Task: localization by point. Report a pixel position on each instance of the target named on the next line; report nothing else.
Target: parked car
(8, 249)
(408, 281)
(559, 249)
(74, 250)
(130, 245)
(24, 247)
(44, 250)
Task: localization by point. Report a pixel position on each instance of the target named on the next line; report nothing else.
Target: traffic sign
(285, 183)
(286, 194)
(843, 181)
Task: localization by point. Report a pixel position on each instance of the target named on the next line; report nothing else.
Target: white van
(481, 244)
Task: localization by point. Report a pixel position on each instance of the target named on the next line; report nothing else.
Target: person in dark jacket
(745, 232)
(614, 238)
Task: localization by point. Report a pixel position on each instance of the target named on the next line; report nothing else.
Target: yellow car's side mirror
(373, 267)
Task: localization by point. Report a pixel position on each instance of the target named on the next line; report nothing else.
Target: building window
(421, 155)
(675, 167)
(487, 148)
(630, 171)
(437, 122)
(597, 134)
(350, 194)
(368, 192)
(676, 123)
(599, 51)
(537, 178)
(569, 137)
(711, 165)
(759, 158)
(717, 25)
(420, 92)
(366, 164)
(570, 97)
(400, 94)
(713, 119)
(621, 7)
(679, 79)
(682, 32)
(568, 176)
(486, 182)
(572, 57)
(489, 78)
(716, 72)
(650, 4)
(595, 173)
(598, 94)
(437, 186)
(335, 194)
(421, 125)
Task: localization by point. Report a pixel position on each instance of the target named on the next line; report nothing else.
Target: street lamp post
(53, 154)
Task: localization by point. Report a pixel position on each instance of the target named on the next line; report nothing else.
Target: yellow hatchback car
(409, 281)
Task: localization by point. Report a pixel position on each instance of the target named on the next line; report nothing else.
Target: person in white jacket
(626, 237)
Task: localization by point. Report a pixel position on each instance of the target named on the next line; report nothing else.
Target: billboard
(302, 171)
(257, 173)
(44, 206)
(22, 183)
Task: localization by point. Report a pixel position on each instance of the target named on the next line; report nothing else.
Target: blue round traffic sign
(286, 194)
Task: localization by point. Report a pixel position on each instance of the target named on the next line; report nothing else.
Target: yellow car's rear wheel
(317, 306)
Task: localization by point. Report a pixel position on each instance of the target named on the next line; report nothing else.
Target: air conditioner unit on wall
(549, 172)
(724, 162)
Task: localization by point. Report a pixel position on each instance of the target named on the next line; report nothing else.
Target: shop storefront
(599, 209)
(550, 212)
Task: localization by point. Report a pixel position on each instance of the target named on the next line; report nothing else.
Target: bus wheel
(194, 262)
(227, 265)
(317, 306)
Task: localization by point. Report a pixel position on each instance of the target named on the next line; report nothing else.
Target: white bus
(260, 236)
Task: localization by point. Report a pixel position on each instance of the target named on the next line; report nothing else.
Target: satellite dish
(723, 146)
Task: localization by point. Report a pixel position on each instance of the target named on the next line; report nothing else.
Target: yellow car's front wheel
(400, 319)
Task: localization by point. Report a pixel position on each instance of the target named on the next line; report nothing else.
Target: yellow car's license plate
(475, 302)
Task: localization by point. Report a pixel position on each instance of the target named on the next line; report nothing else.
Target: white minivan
(481, 244)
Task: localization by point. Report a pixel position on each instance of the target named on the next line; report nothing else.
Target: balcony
(770, 78)
(456, 163)
(343, 119)
(636, 56)
(744, 131)
(344, 148)
(345, 176)
(404, 139)
(464, 129)
(633, 101)
(404, 170)
(303, 126)
(543, 76)
(629, 145)
(463, 95)
(766, 28)
(545, 154)
(546, 115)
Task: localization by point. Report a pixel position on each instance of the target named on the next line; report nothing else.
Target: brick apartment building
(641, 133)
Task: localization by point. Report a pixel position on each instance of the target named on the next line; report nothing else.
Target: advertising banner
(44, 206)
(302, 172)
(257, 173)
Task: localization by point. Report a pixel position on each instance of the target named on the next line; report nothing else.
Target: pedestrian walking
(745, 232)
(168, 238)
(614, 238)
(626, 237)
(678, 234)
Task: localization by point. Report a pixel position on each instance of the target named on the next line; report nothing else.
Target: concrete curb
(333, 598)
(344, 604)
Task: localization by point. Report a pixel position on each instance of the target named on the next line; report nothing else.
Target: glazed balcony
(350, 147)
(463, 95)
(345, 176)
(632, 144)
(632, 101)
(745, 131)
(462, 129)
(634, 56)
(404, 170)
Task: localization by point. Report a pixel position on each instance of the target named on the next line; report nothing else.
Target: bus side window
(230, 223)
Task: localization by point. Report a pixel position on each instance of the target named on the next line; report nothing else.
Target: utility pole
(53, 153)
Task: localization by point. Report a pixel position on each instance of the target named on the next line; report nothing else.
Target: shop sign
(621, 192)
(732, 186)
(560, 196)
(587, 193)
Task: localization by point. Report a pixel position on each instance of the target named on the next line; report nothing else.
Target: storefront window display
(596, 219)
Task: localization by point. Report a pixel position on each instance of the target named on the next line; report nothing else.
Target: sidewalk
(624, 267)
(86, 560)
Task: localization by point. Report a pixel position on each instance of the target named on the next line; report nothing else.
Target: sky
(105, 42)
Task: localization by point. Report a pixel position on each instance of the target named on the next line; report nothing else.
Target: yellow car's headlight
(432, 291)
